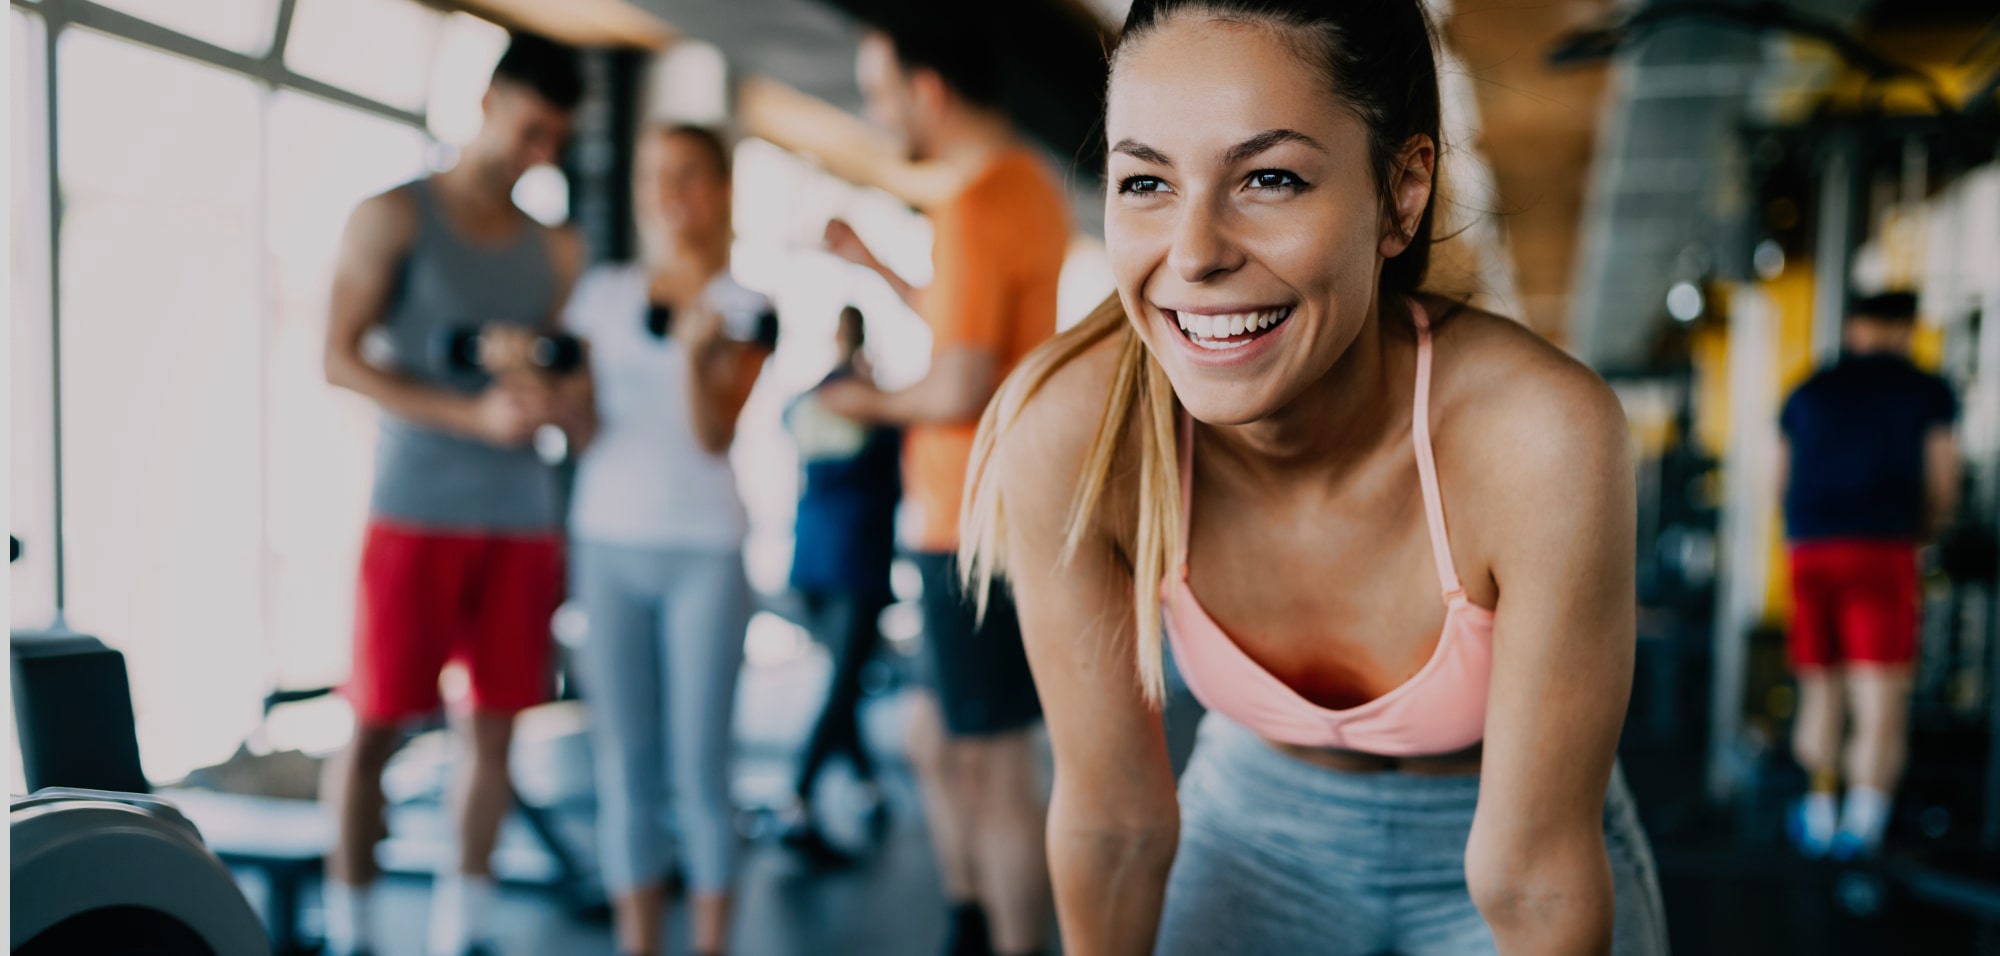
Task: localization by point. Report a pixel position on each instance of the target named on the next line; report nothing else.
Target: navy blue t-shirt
(1857, 435)
(845, 537)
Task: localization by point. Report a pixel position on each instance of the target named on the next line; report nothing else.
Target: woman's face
(1243, 220)
(679, 190)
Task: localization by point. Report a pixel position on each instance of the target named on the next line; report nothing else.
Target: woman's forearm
(1110, 881)
(708, 373)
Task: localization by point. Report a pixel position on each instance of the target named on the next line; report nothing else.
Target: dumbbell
(457, 350)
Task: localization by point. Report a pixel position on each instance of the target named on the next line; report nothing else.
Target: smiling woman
(1439, 769)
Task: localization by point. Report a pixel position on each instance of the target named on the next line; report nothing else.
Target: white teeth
(1218, 327)
(1220, 346)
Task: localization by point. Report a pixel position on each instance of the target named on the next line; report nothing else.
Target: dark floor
(1723, 895)
(889, 905)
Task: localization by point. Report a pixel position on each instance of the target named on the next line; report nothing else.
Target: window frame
(269, 69)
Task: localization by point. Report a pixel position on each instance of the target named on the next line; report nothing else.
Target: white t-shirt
(645, 480)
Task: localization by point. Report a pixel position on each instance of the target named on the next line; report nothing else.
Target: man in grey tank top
(463, 558)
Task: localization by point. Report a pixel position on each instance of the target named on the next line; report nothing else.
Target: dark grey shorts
(1278, 855)
(978, 669)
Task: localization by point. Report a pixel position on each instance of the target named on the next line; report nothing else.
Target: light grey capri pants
(659, 668)
(1278, 855)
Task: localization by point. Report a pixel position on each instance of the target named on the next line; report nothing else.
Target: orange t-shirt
(996, 259)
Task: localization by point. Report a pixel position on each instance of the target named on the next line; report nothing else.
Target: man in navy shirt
(1871, 470)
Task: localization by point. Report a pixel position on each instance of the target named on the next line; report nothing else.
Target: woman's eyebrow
(1235, 154)
(1266, 140)
(1142, 152)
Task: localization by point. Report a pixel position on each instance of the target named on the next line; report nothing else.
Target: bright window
(161, 352)
(781, 205)
(380, 49)
(467, 50)
(324, 159)
(241, 25)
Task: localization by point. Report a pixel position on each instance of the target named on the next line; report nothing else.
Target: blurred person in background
(1869, 469)
(675, 345)
(463, 558)
(845, 540)
(1001, 232)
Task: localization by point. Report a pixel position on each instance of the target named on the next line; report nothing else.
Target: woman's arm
(574, 399)
(721, 374)
(575, 406)
(845, 145)
(1114, 822)
(1562, 556)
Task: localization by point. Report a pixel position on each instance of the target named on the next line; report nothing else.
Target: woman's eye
(1275, 179)
(1141, 184)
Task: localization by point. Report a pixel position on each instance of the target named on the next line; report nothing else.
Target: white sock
(1822, 818)
(346, 917)
(1865, 815)
(460, 905)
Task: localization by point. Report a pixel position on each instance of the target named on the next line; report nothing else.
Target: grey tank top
(430, 478)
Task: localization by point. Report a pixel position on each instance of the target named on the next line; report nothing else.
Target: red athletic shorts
(1853, 601)
(427, 598)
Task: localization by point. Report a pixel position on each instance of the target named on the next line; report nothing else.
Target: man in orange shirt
(998, 254)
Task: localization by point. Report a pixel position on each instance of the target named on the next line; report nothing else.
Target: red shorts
(1853, 601)
(428, 598)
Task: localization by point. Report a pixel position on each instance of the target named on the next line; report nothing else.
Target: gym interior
(1689, 198)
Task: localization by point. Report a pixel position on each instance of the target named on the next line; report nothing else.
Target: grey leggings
(1278, 855)
(659, 668)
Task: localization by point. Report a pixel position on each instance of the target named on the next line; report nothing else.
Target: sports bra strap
(1420, 432)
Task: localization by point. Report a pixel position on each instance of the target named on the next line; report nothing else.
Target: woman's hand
(843, 241)
(849, 398)
(699, 326)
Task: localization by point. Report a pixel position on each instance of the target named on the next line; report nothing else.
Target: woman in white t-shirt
(658, 529)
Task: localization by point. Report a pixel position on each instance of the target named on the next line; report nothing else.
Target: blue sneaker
(1846, 848)
(1801, 835)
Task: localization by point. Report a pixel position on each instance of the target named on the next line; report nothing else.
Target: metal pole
(269, 68)
(1833, 251)
(52, 27)
(1744, 529)
(1986, 388)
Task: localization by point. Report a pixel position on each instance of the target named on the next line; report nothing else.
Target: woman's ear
(1409, 192)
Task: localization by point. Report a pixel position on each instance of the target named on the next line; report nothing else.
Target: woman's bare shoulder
(1512, 410)
(1048, 433)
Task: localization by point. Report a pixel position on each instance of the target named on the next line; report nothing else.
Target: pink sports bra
(1440, 710)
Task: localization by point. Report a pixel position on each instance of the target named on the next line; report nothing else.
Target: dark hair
(960, 49)
(850, 318)
(1379, 62)
(709, 140)
(1887, 307)
(552, 70)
